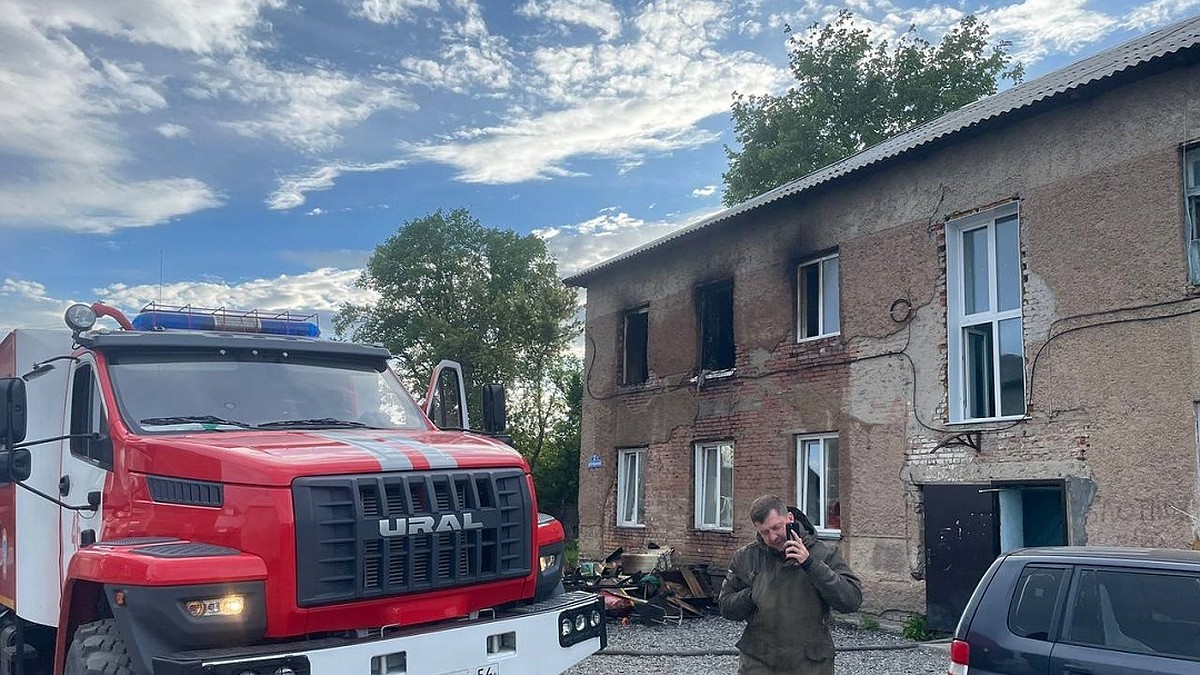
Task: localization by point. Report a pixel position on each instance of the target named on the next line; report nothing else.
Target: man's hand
(795, 549)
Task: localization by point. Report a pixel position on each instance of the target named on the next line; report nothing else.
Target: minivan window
(1033, 606)
(1134, 611)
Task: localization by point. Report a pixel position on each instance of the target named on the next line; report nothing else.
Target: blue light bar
(219, 321)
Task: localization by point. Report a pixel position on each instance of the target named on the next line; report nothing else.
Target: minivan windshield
(230, 389)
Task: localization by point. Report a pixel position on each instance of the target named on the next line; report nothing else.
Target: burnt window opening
(636, 337)
(716, 326)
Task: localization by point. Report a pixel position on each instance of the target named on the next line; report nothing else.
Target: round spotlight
(566, 626)
(80, 317)
(580, 622)
(596, 618)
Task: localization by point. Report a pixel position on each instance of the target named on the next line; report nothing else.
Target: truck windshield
(230, 389)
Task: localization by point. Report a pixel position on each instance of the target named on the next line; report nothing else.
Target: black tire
(98, 649)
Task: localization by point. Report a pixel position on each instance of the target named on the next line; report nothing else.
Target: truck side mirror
(15, 466)
(495, 417)
(13, 406)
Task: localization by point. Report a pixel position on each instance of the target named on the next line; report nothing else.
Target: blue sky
(251, 153)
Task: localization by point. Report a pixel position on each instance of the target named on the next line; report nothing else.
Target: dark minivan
(1083, 610)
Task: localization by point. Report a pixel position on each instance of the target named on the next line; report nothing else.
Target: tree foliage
(851, 93)
(547, 427)
(450, 288)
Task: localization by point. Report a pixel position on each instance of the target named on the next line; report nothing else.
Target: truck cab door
(86, 460)
(446, 400)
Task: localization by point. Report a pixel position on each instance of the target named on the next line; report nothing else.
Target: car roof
(1109, 555)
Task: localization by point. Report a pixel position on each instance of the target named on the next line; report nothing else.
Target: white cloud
(60, 110)
(92, 201)
(173, 130)
(582, 245)
(392, 11)
(199, 27)
(537, 149)
(25, 304)
(293, 188)
(316, 212)
(1154, 14)
(307, 109)
(706, 191)
(619, 101)
(322, 290)
(472, 58)
(598, 14)
(1039, 27)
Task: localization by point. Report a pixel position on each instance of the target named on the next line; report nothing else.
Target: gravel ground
(715, 633)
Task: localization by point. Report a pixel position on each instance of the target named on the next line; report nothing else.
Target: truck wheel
(98, 649)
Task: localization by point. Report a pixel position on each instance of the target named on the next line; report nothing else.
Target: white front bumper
(523, 642)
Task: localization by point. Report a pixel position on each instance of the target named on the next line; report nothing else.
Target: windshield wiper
(316, 422)
(193, 419)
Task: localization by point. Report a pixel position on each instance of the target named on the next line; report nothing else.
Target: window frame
(1066, 628)
(958, 321)
(821, 328)
(625, 346)
(96, 450)
(639, 454)
(1191, 212)
(701, 448)
(802, 485)
(1058, 613)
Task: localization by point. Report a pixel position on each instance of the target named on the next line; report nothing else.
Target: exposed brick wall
(1112, 412)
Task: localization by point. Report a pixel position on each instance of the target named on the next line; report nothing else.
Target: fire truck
(228, 493)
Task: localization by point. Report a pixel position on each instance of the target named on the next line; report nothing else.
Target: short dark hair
(762, 507)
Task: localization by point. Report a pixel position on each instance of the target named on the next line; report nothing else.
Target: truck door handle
(64, 486)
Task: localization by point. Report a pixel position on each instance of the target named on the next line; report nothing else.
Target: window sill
(818, 338)
(829, 535)
(631, 526)
(711, 375)
(714, 530)
(989, 420)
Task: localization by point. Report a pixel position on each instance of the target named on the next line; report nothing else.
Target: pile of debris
(646, 586)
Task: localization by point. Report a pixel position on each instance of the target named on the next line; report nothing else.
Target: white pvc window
(817, 481)
(819, 297)
(631, 488)
(714, 486)
(1191, 181)
(986, 334)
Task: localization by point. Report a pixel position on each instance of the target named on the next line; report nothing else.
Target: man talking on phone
(784, 585)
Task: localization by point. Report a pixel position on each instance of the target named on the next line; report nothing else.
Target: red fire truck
(226, 493)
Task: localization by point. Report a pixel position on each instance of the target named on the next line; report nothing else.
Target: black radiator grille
(381, 535)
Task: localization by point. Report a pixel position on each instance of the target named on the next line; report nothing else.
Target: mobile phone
(794, 528)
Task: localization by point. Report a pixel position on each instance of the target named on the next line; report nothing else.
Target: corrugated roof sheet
(1132, 54)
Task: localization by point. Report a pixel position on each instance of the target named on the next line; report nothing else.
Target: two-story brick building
(979, 335)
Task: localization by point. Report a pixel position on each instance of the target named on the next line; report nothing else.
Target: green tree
(851, 93)
(546, 425)
(450, 288)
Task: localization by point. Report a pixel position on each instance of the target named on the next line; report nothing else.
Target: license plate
(490, 669)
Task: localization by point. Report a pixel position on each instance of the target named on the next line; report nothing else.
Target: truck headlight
(566, 626)
(230, 605)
